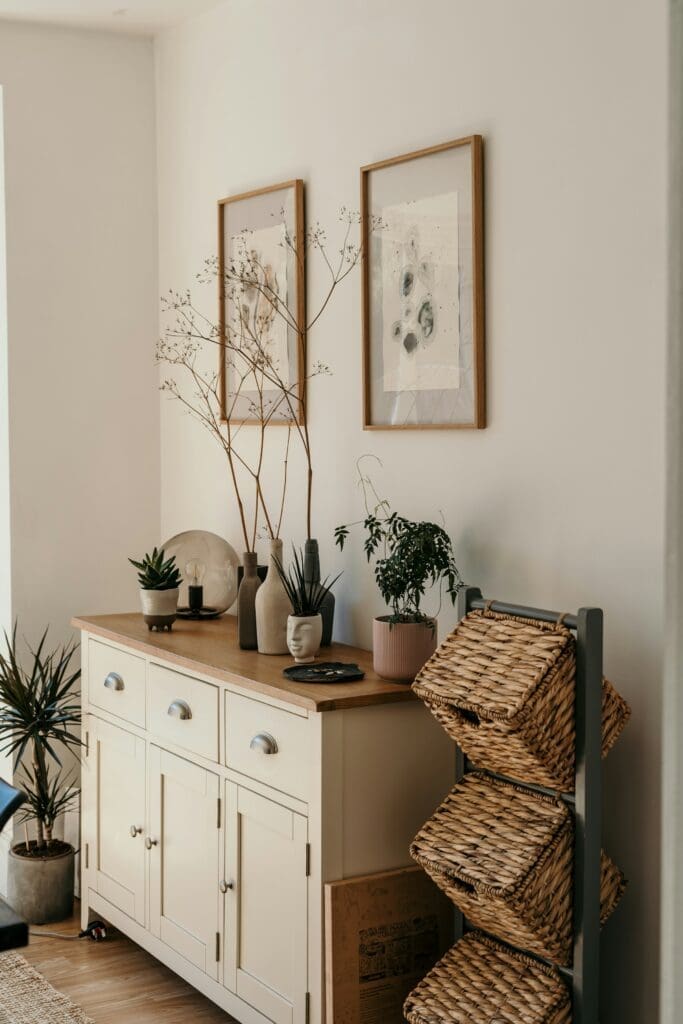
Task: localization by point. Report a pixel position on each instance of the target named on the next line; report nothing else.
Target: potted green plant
(410, 557)
(39, 714)
(159, 579)
(306, 596)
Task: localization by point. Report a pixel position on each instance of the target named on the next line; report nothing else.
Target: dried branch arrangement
(248, 372)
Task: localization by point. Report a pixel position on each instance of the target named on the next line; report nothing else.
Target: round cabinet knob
(149, 843)
(224, 886)
(264, 743)
(134, 831)
(114, 681)
(180, 709)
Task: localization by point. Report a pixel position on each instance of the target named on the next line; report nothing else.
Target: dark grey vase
(246, 603)
(312, 575)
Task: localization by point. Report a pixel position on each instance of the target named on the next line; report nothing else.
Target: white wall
(560, 502)
(5, 542)
(672, 831)
(82, 485)
(82, 294)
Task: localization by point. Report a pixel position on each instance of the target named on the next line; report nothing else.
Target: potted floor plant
(39, 718)
(306, 596)
(159, 579)
(410, 557)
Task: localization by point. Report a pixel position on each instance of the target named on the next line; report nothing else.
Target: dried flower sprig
(256, 380)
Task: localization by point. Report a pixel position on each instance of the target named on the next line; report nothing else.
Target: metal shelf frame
(586, 799)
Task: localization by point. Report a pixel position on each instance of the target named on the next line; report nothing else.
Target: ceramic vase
(159, 607)
(246, 603)
(312, 575)
(273, 607)
(400, 649)
(304, 633)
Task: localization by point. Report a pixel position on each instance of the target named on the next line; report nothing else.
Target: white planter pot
(304, 633)
(159, 607)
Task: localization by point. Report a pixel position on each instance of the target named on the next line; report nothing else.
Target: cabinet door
(184, 862)
(116, 805)
(266, 909)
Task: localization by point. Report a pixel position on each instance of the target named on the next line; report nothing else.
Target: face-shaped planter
(304, 633)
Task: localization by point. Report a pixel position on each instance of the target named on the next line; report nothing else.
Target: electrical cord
(96, 930)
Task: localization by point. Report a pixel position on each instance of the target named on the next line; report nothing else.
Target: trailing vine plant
(410, 557)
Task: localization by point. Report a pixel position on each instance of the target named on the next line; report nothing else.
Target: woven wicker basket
(503, 688)
(505, 856)
(482, 982)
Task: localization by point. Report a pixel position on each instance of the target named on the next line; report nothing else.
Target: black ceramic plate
(324, 672)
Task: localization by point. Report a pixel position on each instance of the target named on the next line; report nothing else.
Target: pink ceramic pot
(400, 650)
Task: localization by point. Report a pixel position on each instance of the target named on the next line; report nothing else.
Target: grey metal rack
(587, 623)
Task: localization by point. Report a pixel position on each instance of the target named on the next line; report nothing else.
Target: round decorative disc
(209, 561)
(324, 672)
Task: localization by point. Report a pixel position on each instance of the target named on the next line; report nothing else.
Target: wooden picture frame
(422, 225)
(264, 217)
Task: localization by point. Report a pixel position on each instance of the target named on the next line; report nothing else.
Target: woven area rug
(27, 998)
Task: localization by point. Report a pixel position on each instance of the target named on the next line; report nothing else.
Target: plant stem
(40, 776)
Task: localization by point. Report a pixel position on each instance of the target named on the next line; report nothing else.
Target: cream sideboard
(218, 798)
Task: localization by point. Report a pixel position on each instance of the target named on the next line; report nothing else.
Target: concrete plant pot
(159, 607)
(41, 889)
(400, 649)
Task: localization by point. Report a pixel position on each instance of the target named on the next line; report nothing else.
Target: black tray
(324, 672)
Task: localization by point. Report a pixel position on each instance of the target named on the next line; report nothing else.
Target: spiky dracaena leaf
(306, 596)
(39, 711)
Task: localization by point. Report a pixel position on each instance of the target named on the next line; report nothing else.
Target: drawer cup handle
(114, 681)
(264, 742)
(180, 709)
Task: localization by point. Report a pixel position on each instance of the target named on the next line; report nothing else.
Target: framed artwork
(422, 218)
(262, 304)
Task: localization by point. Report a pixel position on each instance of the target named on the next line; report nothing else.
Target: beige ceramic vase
(400, 649)
(273, 607)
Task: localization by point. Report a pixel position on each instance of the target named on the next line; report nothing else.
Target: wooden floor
(116, 982)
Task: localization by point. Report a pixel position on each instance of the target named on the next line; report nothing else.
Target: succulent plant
(156, 573)
(306, 596)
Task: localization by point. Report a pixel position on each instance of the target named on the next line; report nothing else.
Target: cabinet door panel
(118, 760)
(266, 911)
(184, 863)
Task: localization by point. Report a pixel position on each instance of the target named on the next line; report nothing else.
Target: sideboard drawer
(116, 682)
(184, 711)
(268, 744)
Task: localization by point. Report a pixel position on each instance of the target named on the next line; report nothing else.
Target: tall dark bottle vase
(246, 603)
(312, 575)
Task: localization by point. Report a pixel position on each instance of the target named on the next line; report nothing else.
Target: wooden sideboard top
(211, 649)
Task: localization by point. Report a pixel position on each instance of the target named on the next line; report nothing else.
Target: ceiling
(138, 16)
